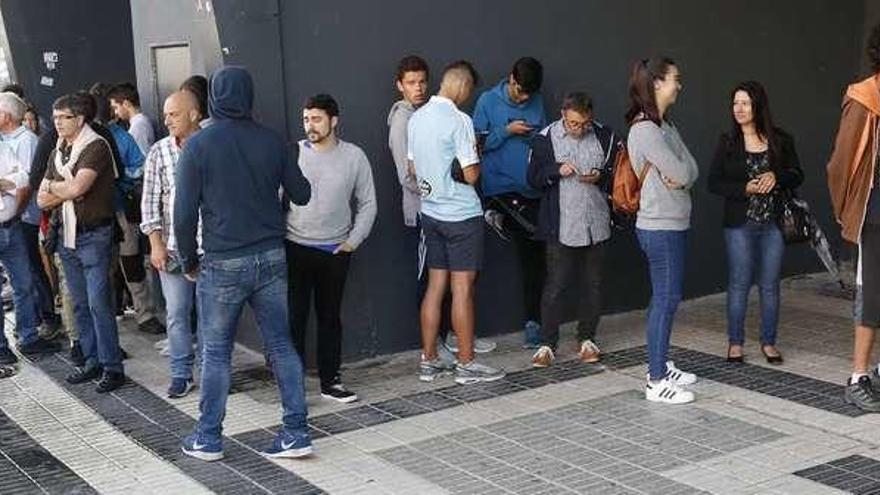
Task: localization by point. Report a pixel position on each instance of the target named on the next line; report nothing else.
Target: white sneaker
(667, 392)
(160, 344)
(678, 376)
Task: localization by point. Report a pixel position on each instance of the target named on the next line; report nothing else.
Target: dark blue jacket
(543, 175)
(232, 172)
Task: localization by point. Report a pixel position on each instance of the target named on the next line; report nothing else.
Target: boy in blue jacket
(505, 120)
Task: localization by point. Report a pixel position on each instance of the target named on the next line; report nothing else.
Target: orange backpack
(627, 186)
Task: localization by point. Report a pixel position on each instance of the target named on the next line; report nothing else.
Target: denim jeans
(665, 251)
(754, 253)
(41, 287)
(87, 271)
(222, 289)
(14, 256)
(179, 296)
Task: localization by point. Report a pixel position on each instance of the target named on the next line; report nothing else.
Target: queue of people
(100, 196)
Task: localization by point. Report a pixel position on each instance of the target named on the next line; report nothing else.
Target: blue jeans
(87, 271)
(753, 248)
(179, 297)
(14, 256)
(45, 300)
(665, 251)
(222, 289)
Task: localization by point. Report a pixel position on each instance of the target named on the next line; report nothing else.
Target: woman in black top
(753, 163)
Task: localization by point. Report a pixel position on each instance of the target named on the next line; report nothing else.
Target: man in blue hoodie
(230, 174)
(505, 120)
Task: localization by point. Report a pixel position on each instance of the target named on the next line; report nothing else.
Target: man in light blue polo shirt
(442, 152)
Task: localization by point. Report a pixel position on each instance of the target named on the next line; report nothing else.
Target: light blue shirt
(438, 133)
(23, 143)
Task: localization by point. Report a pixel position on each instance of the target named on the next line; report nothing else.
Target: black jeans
(529, 252)
(563, 264)
(311, 271)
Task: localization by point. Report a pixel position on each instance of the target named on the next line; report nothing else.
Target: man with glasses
(506, 118)
(570, 159)
(79, 178)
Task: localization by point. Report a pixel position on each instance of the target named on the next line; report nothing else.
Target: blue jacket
(231, 173)
(132, 169)
(506, 156)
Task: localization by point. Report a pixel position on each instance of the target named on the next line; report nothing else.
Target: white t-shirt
(11, 170)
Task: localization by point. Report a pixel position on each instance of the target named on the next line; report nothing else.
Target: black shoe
(76, 354)
(110, 381)
(84, 375)
(862, 395)
(151, 326)
(122, 354)
(39, 346)
(7, 356)
(338, 392)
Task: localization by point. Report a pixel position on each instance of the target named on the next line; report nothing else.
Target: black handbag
(793, 218)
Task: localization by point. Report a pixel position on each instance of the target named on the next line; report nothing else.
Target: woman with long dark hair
(664, 214)
(753, 163)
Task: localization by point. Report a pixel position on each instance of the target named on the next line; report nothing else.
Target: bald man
(442, 152)
(182, 120)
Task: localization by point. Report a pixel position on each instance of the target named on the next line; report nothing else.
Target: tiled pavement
(572, 428)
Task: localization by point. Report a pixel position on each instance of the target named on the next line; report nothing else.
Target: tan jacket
(851, 167)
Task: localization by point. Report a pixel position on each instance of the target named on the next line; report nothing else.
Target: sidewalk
(571, 428)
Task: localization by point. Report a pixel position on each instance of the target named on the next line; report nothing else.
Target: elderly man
(23, 144)
(13, 250)
(182, 120)
(79, 179)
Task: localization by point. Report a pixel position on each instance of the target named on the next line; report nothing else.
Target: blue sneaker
(202, 448)
(533, 335)
(289, 446)
(180, 387)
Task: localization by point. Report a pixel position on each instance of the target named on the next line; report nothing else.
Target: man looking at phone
(569, 158)
(506, 118)
(182, 120)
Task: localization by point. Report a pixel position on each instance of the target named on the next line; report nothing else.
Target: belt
(9, 223)
(80, 228)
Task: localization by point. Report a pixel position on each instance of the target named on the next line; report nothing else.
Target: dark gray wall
(165, 22)
(91, 37)
(350, 48)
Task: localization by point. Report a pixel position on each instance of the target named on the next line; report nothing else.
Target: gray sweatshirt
(398, 118)
(337, 175)
(661, 207)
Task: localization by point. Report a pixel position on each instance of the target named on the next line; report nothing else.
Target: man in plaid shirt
(157, 205)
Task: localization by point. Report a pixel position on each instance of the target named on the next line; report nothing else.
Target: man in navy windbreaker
(230, 173)
(505, 119)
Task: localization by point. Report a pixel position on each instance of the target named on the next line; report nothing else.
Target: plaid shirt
(157, 201)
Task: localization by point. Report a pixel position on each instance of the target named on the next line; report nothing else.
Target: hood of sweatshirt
(232, 93)
(867, 93)
(403, 107)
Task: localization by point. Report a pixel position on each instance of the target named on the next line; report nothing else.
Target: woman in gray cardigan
(664, 214)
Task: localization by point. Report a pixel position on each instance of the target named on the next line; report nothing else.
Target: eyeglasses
(577, 124)
(56, 118)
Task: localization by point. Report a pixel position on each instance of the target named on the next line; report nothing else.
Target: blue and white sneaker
(287, 446)
(180, 387)
(202, 448)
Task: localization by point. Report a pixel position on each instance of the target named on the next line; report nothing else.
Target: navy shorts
(454, 246)
(867, 304)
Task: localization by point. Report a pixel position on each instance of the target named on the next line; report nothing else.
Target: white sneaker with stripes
(667, 391)
(678, 376)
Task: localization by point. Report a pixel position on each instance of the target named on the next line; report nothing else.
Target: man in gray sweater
(321, 235)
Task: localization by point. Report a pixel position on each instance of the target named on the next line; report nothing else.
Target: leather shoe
(110, 381)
